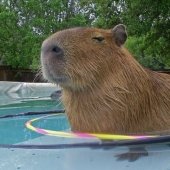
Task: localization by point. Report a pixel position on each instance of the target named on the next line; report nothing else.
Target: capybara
(104, 88)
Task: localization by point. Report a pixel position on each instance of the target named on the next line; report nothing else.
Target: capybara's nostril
(58, 52)
(56, 49)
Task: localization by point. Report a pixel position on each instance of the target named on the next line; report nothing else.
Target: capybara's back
(105, 90)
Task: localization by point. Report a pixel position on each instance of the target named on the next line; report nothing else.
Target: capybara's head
(80, 57)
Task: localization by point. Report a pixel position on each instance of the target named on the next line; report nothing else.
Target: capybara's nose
(54, 50)
(57, 51)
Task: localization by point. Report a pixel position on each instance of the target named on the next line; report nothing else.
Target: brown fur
(105, 89)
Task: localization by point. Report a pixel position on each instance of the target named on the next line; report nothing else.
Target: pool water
(13, 132)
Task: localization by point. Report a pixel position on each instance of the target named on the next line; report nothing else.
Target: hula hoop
(91, 144)
(79, 135)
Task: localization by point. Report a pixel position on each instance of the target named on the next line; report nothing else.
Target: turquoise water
(13, 130)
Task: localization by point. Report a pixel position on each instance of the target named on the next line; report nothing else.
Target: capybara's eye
(98, 38)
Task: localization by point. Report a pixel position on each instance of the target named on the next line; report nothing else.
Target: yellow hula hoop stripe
(79, 135)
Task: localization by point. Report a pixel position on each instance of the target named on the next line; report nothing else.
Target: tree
(107, 13)
(26, 23)
(146, 20)
(150, 20)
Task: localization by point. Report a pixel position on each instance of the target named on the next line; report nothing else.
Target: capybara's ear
(119, 34)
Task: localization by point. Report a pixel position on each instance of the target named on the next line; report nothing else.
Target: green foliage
(108, 13)
(136, 46)
(24, 24)
(148, 25)
(150, 20)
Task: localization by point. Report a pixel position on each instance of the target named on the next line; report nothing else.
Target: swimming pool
(48, 152)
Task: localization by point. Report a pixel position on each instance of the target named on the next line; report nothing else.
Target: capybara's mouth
(54, 76)
(54, 70)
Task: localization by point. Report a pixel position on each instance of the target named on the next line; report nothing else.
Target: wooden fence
(19, 75)
(25, 75)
